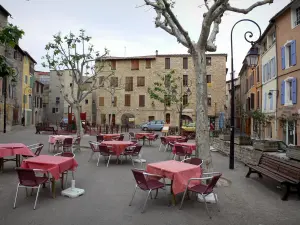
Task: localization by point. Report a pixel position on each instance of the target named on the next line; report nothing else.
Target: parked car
(191, 127)
(153, 125)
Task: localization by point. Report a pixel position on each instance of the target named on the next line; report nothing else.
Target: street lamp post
(252, 60)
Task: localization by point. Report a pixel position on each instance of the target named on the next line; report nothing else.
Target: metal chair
(132, 136)
(121, 138)
(37, 147)
(70, 155)
(28, 179)
(133, 151)
(100, 138)
(144, 183)
(152, 138)
(203, 189)
(193, 161)
(76, 144)
(163, 142)
(105, 151)
(94, 146)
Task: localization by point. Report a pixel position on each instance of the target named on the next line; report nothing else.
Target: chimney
(156, 52)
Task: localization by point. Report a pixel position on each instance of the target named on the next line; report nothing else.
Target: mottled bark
(76, 110)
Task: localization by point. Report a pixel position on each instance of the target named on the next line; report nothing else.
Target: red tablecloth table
(178, 172)
(142, 135)
(54, 138)
(55, 165)
(109, 137)
(190, 147)
(118, 146)
(172, 138)
(12, 149)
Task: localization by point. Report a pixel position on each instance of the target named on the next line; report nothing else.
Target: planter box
(224, 137)
(242, 140)
(265, 145)
(293, 152)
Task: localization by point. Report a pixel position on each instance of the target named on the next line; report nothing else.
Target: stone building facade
(14, 93)
(131, 102)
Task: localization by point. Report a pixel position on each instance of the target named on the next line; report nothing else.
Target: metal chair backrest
(163, 140)
(68, 142)
(103, 149)
(94, 146)
(77, 141)
(136, 150)
(140, 179)
(121, 138)
(131, 134)
(67, 154)
(100, 138)
(213, 182)
(179, 149)
(27, 177)
(194, 161)
(39, 149)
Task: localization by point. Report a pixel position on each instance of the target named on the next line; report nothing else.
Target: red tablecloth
(142, 135)
(190, 147)
(54, 138)
(172, 138)
(55, 165)
(109, 137)
(178, 172)
(11, 149)
(117, 146)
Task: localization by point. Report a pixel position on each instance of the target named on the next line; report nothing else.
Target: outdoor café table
(55, 165)
(172, 138)
(143, 136)
(54, 138)
(190, 147)
(117, 146)
(13, 149)
(109, 137)
(178, 172)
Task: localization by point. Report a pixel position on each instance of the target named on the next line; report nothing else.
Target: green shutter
(31, 81)
(24, 99)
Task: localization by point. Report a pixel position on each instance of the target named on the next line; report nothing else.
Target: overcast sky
(119, 24)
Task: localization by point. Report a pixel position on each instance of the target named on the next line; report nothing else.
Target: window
(273, 37)
(140, 81)
(228, 85)
(185, 80)
(86, 101)
(56, 110)
(297, 22)
(185, 100)
(37, 101)
(209, 100)
(208, 61)
(289, 91)
(26, 79)
(148, 63)
(258, 99)
(134, 64)
(41, 102)
(167, 100)
(113, 64)
(167, 63)
(53, 110)
(114, 82)
(71, 84)
(103, 118)
(115, 102)
(101, 101)
(129, 84)
(57, 100)
(252, 100)
(127, 99)
(42, 89)
(101, 81)
(265, 46)
(288, 55)
(142, 101)
(37, 87)
(257, 73)
(185, 63)
(151, 118)
(208, 79)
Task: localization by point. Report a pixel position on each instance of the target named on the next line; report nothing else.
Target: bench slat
(269, 174)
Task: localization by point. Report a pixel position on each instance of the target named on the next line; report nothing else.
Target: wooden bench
(287, 173)
(43, 128)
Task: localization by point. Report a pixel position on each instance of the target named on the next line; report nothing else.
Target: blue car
(153, 125)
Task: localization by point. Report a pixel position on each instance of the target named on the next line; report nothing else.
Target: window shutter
(282, 92)
(264, 73)
(283, 58)
(271, 102)
(269, 70)
(293, 52)
(294, 90)
(272, 67)
(275, 67)
(265, 103)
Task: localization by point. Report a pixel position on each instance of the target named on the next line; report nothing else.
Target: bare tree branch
(249, 9)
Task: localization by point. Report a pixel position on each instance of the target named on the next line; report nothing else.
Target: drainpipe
(276, 131)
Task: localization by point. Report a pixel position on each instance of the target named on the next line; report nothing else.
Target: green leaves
(10, 35)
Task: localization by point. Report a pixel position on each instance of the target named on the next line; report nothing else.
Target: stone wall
(244, 153)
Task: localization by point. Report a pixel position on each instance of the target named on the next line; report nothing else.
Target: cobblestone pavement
(251, 201)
